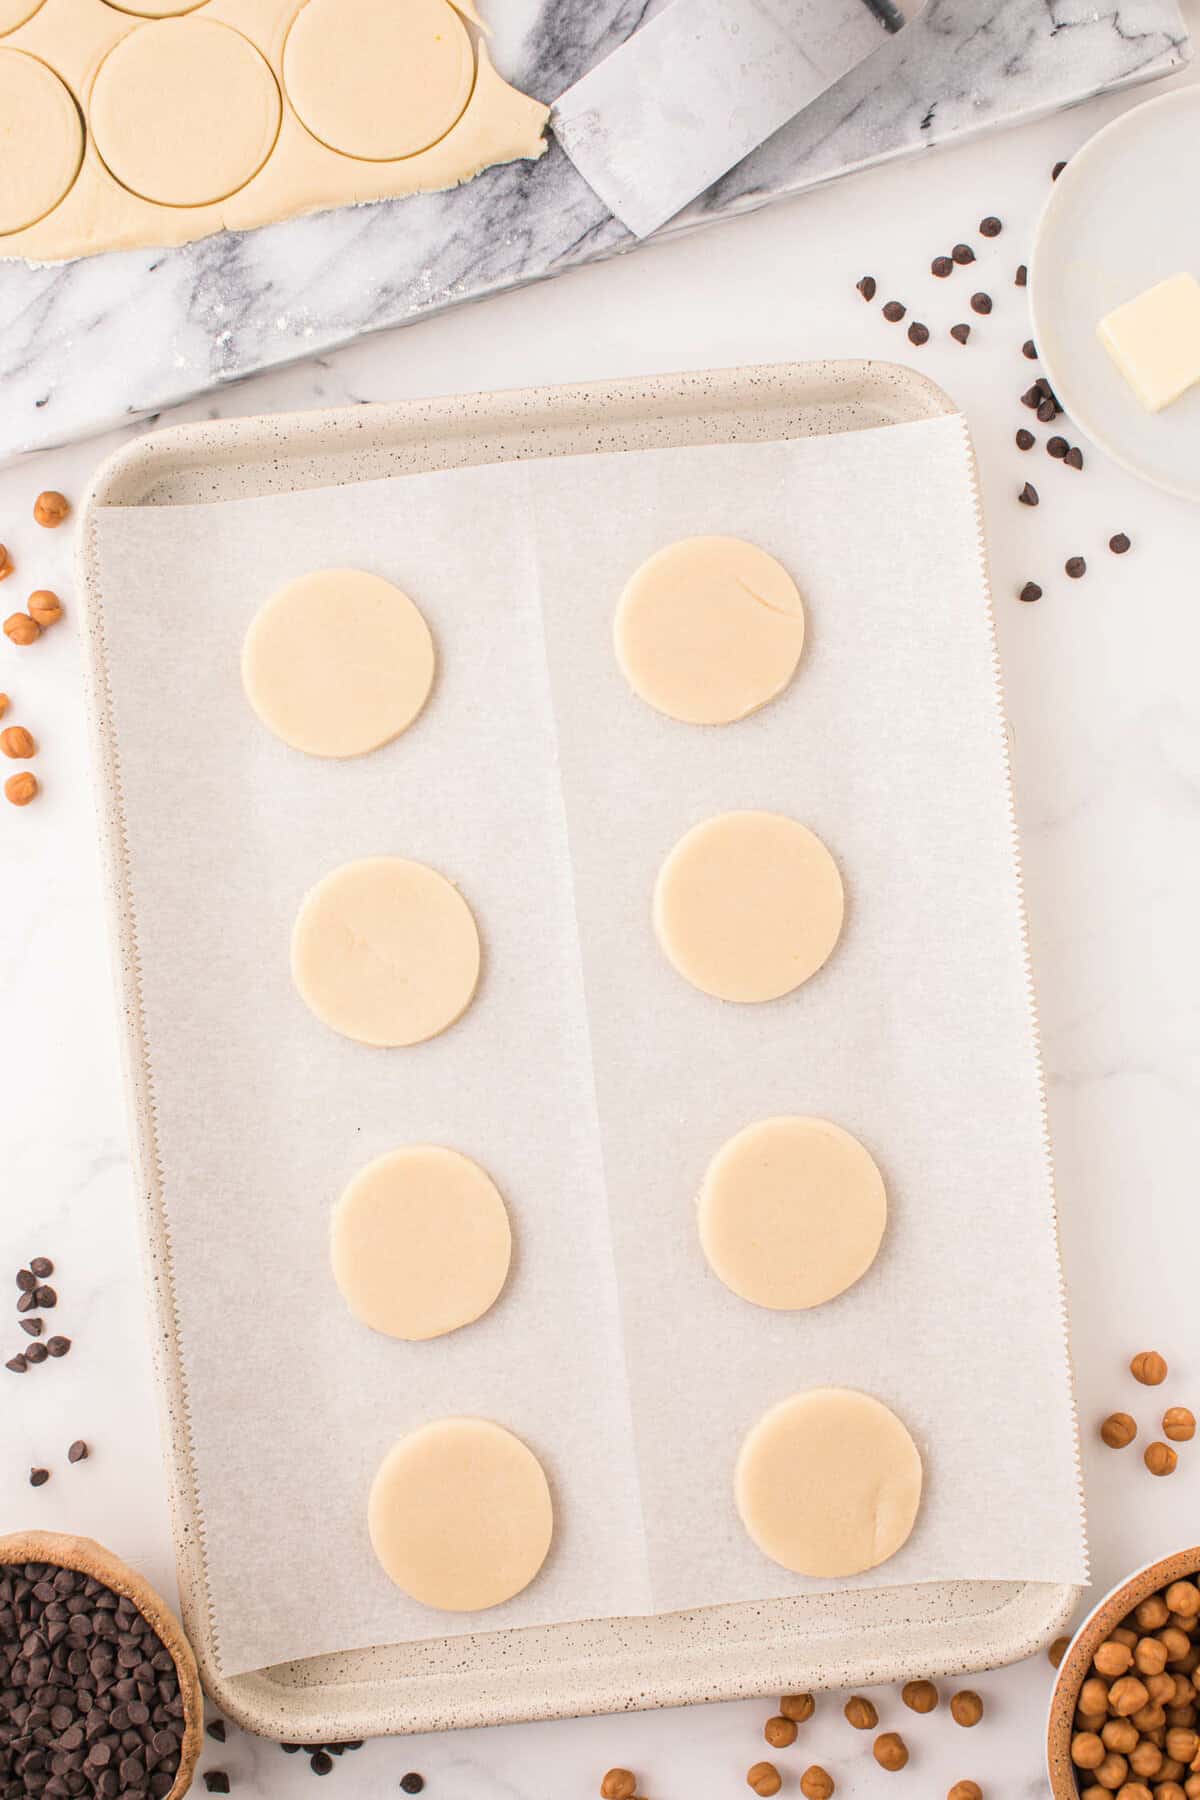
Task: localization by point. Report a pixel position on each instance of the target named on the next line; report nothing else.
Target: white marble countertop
(1102, 695)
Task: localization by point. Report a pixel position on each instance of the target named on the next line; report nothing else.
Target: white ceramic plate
(1124, 214)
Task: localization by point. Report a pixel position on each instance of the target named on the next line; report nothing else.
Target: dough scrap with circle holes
(338, 662)
(378, 82)
(709, 630)
(460, 1515)
(792, 1212)
(184, 111)
(420, 1242)
(828, 1482)
(748, 906)
(41, 139)
(386, 951)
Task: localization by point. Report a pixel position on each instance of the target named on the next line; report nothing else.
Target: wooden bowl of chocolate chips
(100, 1697)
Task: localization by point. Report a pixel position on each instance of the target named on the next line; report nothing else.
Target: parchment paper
(588, 1078)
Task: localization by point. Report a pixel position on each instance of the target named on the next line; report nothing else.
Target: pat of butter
(1155, 340)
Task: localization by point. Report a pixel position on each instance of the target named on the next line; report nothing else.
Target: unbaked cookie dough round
(41, 139)
(709, 629)
(385, 951)
(16, 12)
(379, 82)
(184, 111)
(748, 905)
(460, 1515)
(828, 1482)
(420, 1242)
(792, 1211)
(338, 662)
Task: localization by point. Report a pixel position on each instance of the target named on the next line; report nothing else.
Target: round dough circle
(828, 1482)
(460, 1514)
(792, 1212)
(709, 629)
(375, 81)
(184, 111)
(14, 13)
(748, 905)
(385, 951)
(420, 1242)
(41, 139)
(338, 662)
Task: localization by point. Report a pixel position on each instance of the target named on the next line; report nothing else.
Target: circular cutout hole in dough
(386, 951)
(709, 630)
(460, 1515)
(41, 139)
(184, 112)
(420, 1242)
(378, 81)
(828, 1483)
(748, 905)
(338, 662)
(792, 1212)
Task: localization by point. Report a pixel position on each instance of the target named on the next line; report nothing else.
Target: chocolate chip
(32, 1326)
(1057, 170)
(1044, 388)
(1021, 278)
(1028, 495)
(990, 227)
(1025, 439)
(26, 1280)
(216, 1730)
(46, 1298)
(321, 1763)
(893, 312)
(289, 1749)
(963, 254)
(17, 1364)
(1075, 567)
(36, 1353)
(866, 287)
(941, 266)
(1074, 458)
(41, 1267)
(38, 1477)
(412, 1783)
(960, 333)
(1029, 349)
(918, 333)
(1031, 591)
(1118, 544)
(981, 303)
(1047, 412)
(78, 1452)
(1032, 397)
(58, 1346)
(27, 1302)
(216, 1781)
(1057, 446)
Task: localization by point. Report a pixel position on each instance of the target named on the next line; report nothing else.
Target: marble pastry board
(558, 1666)
(91, 344)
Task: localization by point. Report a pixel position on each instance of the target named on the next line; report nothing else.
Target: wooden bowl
(90, 1558)
(1076, 1664)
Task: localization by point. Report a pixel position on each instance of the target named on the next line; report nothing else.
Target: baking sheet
(918, 1035)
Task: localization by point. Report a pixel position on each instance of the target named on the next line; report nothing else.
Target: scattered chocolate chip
(963, 254)
(1057, 170)
(1057, 446)
(412, 1783)
(960, 333)
(981, 303)
(918, 333)
(1028, 495)
(26, 1280)
(27, 1302)
(36, 1353)
(41, 1267)
(1021, 278)
(38, 1477)
(216, 1730)
(289, 1749)
(58, 1346)
(1044, 388)
(79, 1453)
(17, 1364)
(941, 266)
(1032, 397)
(216, 1781)
(990, 227)
(893, 312)
(1025, 439)
(1074, 458)
(1075, 567)
(1118, 544)
(32, 1326)
(1031, 591)
(866, 287)
(1047, 411)
(1029, 349)
(46, 1298)
(321, 1763)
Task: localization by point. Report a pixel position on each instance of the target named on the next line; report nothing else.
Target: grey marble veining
(93, 343)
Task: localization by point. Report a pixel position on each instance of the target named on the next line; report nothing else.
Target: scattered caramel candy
(780, 1732)
(618, 1784)
(1160, 1459)
(1087, 1750)
(45, 607)
(966, 1708)
(965, 1790)
(816, 1783)
(764, 1778)
(18, 743)
(21, 789)
(797, 1706)
(890, 1751)
(919, 1696)
(21, 628)
(1179, 1424)
(1149, 1368)
(1118, 1430)
(50, 508)
(1057, 1650)
(860, 1712)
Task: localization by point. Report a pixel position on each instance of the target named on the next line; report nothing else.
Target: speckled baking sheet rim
(614, 1665)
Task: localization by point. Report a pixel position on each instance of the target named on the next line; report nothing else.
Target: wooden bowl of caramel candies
(1125, 1716)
